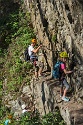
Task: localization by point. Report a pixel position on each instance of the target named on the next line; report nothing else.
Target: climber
(8, 121)
(34, 58)
(63, 72)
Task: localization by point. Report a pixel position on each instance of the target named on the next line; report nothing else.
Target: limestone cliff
(58, 25)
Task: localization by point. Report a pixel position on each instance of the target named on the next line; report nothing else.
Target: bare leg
(66, 87)
(65, 91)
(36, 71)
(41, 68)
(36, 74)
(64, 98)
(40, 71)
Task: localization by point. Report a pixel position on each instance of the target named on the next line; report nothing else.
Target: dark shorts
(64, 83)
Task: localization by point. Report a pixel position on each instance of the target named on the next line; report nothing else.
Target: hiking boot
(65, 99)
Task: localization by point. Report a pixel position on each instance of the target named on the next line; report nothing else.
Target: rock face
(59, 26)
(45, 96)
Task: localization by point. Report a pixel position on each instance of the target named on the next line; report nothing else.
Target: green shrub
(35, 119)
(53, 119)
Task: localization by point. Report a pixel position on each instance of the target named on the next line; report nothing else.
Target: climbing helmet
(63, 54)
(34, 41)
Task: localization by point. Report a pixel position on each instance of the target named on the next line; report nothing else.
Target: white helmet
(23, 106)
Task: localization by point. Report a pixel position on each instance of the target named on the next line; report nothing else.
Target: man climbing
(34, 58)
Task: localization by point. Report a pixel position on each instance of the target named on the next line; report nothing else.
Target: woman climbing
(63, 72)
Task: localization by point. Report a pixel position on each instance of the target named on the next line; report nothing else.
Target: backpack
(56, 70)
(26, 55)
(31, 58)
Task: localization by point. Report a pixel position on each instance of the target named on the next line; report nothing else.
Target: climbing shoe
(65, 99)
